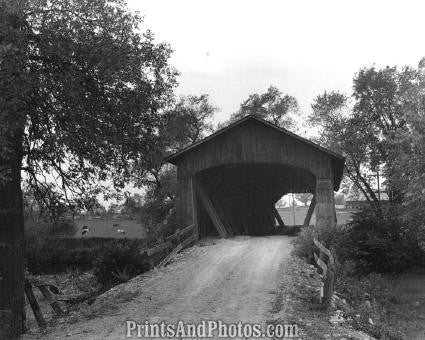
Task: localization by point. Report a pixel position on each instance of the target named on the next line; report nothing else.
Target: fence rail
(170, 245)
(326, 263)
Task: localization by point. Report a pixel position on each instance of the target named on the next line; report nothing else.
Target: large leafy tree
(184, 122)
(408, 168)
(367, 130)
(81, 89)
(344, 133)
(271, 105)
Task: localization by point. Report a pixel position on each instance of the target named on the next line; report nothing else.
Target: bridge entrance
(230, 181)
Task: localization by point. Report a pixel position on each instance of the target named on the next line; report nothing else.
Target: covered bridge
(230, 181)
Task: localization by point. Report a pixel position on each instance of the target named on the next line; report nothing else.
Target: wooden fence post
(34, 304)
(51, 299)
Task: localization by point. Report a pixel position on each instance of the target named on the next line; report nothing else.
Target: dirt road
(230, 280)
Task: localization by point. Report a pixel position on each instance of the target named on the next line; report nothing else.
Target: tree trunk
(11, 231)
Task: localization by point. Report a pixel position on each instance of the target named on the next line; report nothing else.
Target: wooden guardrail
(326, 263)
(169, 246)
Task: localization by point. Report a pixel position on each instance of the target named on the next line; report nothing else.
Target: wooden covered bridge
(230, 181)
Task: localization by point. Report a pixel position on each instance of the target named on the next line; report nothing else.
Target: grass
(300, 212)
(405, 312)
(108, 228)
(395, 304)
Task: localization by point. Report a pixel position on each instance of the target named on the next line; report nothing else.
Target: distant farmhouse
(362, 202)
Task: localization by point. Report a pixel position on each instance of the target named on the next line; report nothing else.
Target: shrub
(382, 244)
(333, 238)
(118, 262)
(54, 255)
(46, 229)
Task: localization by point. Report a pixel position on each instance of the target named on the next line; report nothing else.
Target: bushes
(333, 238)
(373, 244)
(53, 255)
(383, 244)
(118, 262)
(46, 228)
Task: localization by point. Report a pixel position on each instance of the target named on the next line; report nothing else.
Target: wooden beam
(159, 248)
(278, 218)
(34, 305)
(321, 264)
(325, 250)
(170, 256)
(212, 213)
(310, 211)
(44, 289)
(179, 232)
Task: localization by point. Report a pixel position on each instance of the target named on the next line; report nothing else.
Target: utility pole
(293, 206)
(379, 188)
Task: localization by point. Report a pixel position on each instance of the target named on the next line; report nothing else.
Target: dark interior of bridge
(244, 195)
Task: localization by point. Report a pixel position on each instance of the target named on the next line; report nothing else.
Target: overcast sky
(230, 49)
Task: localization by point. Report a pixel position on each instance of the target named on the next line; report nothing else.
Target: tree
(272, 105)
(409, 147)
(347, 134)
(382, 100)
(81, 93)
(366, 131)
(183, 123)
(304, 198)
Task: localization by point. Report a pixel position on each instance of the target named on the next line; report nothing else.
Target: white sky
(230, 49)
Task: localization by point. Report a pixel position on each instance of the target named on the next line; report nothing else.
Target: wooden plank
(325, 250)
(50, 299)
(159, 248)
(170, 256)
(328, 289)
(209, 207)
(180, 232)
(321, 265)
(34, 304)
(189, 240)
(310, 211)
(278, 218)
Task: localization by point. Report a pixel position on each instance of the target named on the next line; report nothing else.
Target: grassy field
(406, 311)
(343, 216)
(133, 229)
(108, 228)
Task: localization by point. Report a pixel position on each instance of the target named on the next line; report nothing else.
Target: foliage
(383, 244)
(55, 255)
(183, 123)
(333, 238)
(366, 132)
(93, 87)
(46, 228)
(188, 121)
(82, 85)
(118, 262)
(272, 105)
(304, 198)
(345, 133)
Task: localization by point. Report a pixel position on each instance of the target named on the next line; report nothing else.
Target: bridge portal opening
(244, 196)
